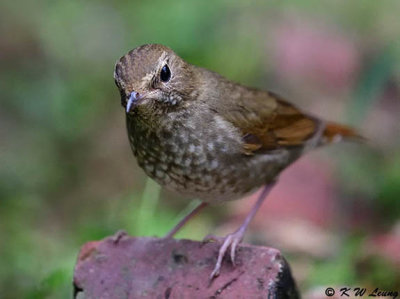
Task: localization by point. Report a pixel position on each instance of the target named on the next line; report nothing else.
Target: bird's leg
(236, 237)
(181, 223)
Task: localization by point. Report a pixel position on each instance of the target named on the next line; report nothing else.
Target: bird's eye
(165, 74)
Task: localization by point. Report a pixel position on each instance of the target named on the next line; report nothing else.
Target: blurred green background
(67, 175)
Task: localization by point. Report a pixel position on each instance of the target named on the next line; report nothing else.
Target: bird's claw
(231, 240)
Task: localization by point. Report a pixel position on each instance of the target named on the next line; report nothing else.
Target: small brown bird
(206, 137)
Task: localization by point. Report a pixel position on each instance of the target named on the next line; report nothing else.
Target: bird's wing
(269, 123)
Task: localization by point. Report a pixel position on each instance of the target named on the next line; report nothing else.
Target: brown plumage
(203, 136)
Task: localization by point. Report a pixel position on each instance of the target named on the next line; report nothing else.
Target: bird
(203, 136)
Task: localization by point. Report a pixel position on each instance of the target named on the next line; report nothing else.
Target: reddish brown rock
(126, 267)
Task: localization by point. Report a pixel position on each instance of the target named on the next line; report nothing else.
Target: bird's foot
(232, 240)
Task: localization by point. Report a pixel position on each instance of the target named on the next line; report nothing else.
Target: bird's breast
(195, 155)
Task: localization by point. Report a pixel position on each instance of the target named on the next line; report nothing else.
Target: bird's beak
(133, 98)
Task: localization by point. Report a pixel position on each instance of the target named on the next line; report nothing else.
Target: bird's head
(153, 77)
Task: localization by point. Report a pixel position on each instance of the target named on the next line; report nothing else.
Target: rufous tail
(334, 132)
